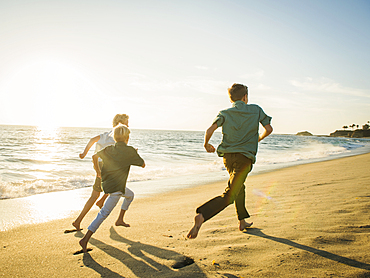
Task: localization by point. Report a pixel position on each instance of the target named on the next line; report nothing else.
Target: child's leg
(241, 210)
(83, 242)
(90, 202)
(105, 211)
(244, 224)
(238, 167)
(129, 197)
(100, 203)
(97, 187)
(120, 221)
(102, 215)
(198, 221)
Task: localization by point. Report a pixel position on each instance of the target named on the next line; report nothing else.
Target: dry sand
(309, 221)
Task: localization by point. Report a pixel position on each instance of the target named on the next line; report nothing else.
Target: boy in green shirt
(117, 160)
(240, 126)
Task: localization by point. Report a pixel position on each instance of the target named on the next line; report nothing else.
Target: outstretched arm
(267, 132)
(89, 145)
(209, 148)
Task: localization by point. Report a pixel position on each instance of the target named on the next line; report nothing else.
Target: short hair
(120, 118)
(237, 91)
(121, 133)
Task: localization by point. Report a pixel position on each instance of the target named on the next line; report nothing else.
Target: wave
(25, 188)
(286, 150)
(137, 174)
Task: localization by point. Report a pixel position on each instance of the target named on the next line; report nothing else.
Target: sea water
(35, 160)
(42, 177)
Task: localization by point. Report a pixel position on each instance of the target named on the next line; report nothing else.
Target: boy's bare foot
(83, 244)
(76, 225)
(198, 221)
(121, 223)
(100, 203)
(243, 225)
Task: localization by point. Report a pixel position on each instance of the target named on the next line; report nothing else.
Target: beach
(310, 220)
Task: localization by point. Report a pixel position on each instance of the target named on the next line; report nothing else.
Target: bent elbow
(269, 129)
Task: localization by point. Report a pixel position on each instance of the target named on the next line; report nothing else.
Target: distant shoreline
(343, 133)
(358, 133)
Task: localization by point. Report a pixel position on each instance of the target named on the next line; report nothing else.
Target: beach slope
(310, 220)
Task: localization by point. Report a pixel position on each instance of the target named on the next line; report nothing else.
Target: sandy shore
(309, 221)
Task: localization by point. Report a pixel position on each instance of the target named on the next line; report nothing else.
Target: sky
(168, 64)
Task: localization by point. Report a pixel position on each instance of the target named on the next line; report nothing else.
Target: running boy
(102, 140)
(117, 160)
(240, 125)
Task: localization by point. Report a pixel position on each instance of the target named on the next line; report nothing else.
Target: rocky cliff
(304, 133)
(358, 133)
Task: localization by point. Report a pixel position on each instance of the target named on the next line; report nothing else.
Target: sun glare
(50, 94)
(47, 131)
(45, 150)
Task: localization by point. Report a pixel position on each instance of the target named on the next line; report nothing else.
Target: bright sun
(49, 93)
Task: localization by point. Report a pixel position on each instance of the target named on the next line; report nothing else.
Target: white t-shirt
(106, 139)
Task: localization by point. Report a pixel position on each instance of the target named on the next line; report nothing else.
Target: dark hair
(237, 91)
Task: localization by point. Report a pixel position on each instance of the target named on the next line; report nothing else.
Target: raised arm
(209, 132)
(266, 132)
(89, 145)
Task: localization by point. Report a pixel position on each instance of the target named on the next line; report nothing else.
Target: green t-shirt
(117, 160)
(240, 126)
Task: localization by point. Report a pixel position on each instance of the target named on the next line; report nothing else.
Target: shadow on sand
(103, 271)
(142, 259)
(322, 253)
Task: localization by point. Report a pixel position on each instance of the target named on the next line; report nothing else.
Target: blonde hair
(237, 91)
(121, 133)
(120, 118)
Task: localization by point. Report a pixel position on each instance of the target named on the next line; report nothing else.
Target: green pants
(238, 167)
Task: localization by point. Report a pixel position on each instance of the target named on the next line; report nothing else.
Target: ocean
(38, 160)
(42, 177)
